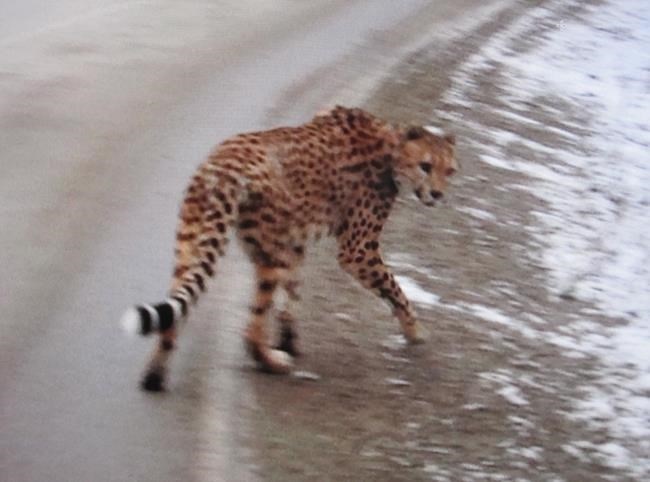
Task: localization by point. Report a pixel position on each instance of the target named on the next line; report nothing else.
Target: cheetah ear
(450, 138)
(415, 132)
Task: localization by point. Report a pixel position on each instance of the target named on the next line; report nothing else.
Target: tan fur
(335, 175)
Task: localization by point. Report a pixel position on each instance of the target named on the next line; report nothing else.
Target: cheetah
(338, 174)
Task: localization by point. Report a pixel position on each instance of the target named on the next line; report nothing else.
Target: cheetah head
(425, 161)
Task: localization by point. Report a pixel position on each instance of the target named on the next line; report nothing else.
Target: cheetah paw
(153, 381)
(277, 361)
(416, 334)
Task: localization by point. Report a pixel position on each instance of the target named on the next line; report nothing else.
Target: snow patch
(495, 316)
(415, 293)
(477, 213)
(508, 390)
(513, 395)
(397, 382)
(594, 237)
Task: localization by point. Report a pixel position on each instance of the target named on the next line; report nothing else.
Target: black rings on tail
(147, 319)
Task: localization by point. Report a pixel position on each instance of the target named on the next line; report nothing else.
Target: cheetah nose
(435, 194)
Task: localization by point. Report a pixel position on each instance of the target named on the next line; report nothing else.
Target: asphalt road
(104, 113)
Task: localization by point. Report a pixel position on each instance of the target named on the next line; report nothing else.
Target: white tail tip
(131, 321)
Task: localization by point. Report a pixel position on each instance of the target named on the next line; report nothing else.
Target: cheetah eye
(450, 171)
(426, 167)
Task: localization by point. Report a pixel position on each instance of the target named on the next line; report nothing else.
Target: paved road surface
(104, 112)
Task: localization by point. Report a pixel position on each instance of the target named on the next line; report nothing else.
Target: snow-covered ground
(594, 239)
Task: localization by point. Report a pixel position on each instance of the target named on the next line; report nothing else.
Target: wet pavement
(95, 153)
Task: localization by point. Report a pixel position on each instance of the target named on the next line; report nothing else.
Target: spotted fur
(336, 175)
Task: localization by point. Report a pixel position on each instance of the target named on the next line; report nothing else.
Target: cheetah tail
(146, 319)
(207, 212)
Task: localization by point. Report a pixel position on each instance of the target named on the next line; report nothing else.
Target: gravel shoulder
(490, 397)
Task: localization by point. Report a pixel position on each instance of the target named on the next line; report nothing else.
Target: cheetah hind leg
(288, 340)
(156, 372)
(269, 360)
(288, 336)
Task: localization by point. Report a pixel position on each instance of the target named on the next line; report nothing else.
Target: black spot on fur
(343, 227)
(183, 304)
(248, 224)
(213, 216)
(288, 341)
(377, 283)
(199, 281)
(255, 198)
(145, 320)
(165, 316)
(220, 196)
(190, 290)
(386, 185)
(414, 133)
(371, 245)
(374, 261)
(267, 285)
(207, 268)
(267, 218)
(153, 382)
(264, 259)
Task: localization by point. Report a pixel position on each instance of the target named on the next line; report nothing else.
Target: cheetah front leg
(268, 359)
(364, 262)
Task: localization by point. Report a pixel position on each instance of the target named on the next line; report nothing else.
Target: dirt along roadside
(492, 396)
